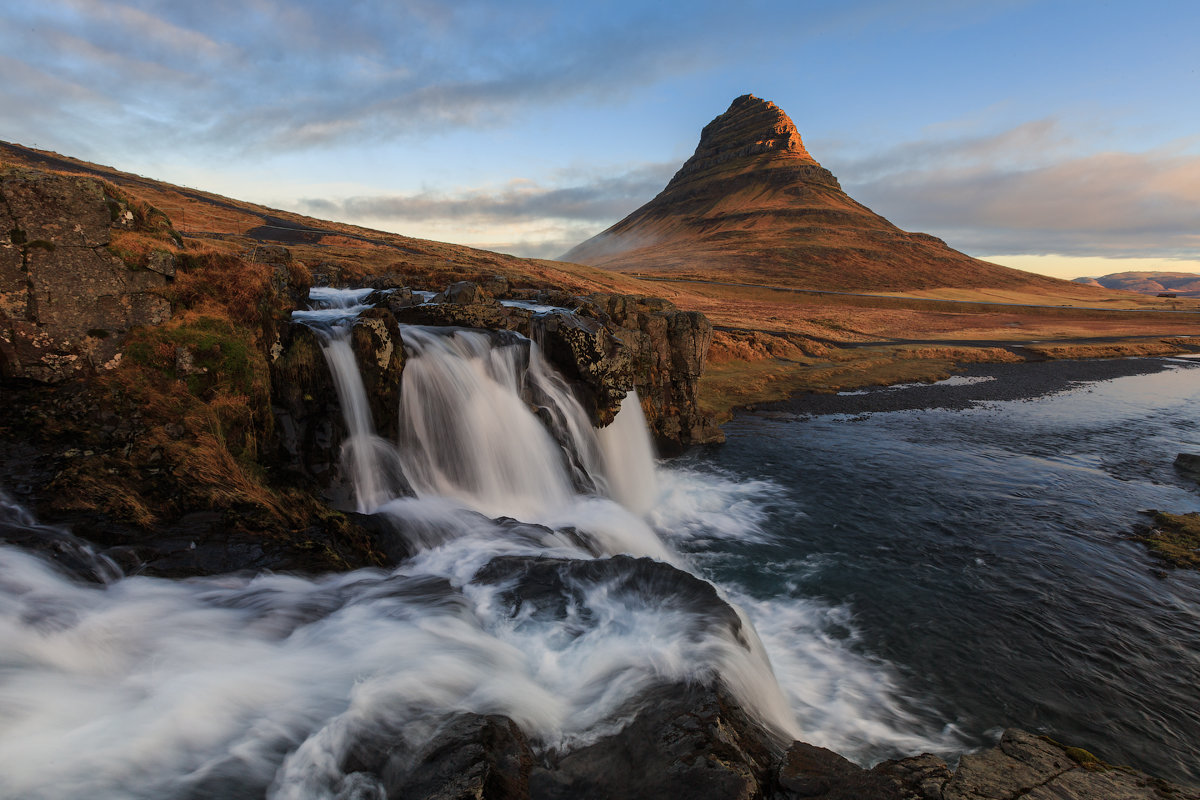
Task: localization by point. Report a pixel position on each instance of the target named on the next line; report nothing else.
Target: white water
(157, 689)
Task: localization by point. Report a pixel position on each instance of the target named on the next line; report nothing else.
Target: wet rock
(472, 756)
(66, 302)
(1188, 465)
(1027, 766)
(810, 771)
(489, 314)
(379, 351)
(587, 353)
(545, 588)
(687, 741)
(308, 429)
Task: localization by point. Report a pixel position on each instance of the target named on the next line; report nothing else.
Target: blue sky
(1057, 136)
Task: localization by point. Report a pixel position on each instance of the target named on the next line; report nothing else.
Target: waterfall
(537, 590)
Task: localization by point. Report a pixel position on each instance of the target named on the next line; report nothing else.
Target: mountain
(1186, 284)
(753, 205)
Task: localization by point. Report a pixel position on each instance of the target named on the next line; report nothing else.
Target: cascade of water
(280, 677)
(466, 432)
(629, 458)
(363, 452)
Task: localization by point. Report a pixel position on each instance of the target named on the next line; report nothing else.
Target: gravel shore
(979, 383)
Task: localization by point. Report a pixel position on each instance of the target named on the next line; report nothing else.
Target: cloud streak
(1021, 192)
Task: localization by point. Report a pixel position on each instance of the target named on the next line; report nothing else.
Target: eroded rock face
(66, 303)
(667, 351)
(379, 350)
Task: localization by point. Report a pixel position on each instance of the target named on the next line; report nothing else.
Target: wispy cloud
(1022, 191)
(601, 199)
(507, 218)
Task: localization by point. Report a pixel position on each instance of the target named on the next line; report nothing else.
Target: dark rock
(690, 742)
(379, 351)
(1188, 465)
(668, 348)
(471, 757)
(309, 430)
(586, 352)
(810, 771)
(547, 587)
(1026, 766)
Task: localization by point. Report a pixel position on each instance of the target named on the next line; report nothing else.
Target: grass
(1175, 538)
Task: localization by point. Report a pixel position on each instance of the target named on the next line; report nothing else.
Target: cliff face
(753, 205)
(66, 299)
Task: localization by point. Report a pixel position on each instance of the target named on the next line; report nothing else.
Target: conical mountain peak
(752, 205)
(750, 127)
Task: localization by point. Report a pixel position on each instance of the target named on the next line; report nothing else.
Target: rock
(489, 315)
(379, 350)
(496, 286)
(588, 353)
(1027, 766)
(668, 348)
(690, 742)
(1188, 465)
(471, 756)
(810, 771)
(66, 303)
(308, 430)
(463, 293)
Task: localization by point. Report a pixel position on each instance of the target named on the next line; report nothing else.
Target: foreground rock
(1027, 766)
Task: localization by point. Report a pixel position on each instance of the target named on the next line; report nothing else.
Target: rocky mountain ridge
(1184, 284)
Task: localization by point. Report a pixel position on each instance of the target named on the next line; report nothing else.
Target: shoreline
(974, 384)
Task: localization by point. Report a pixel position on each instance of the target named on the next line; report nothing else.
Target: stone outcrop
(66, 301)
(1026, 766)
(752, 205)
(667, 352)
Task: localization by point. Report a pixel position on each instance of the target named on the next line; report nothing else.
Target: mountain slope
(1186, 284)
(753, 205)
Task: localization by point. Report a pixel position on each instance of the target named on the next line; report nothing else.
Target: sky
(1059, 137)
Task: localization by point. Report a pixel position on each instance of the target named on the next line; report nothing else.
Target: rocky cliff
(753, 205)
(67, 299)
(157, 394)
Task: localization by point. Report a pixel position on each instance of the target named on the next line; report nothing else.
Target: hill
(753, 205)
(1185, 284)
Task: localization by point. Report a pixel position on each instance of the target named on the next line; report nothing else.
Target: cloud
(1022, 191)
(602, 199)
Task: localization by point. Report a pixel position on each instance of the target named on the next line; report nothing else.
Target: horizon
(1023, 133)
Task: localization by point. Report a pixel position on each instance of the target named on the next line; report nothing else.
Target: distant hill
(1184, 284)
(753, 205)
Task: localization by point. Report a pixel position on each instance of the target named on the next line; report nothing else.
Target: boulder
(688, 741)
(1188, 465)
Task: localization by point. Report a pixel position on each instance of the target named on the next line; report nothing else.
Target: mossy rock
(1175, 538)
